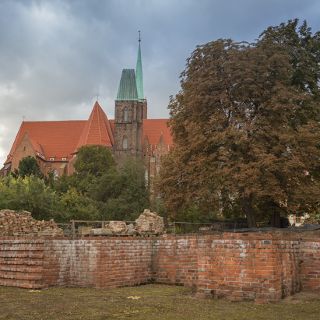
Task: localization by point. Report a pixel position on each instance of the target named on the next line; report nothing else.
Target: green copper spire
(139, 75)
(127, 90)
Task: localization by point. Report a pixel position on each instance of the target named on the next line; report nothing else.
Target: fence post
(73, 229)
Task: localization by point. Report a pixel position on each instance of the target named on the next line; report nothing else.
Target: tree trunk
(275, 220)
(248, 210)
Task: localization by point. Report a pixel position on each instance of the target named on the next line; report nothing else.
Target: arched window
(126, 114)
(125, 143)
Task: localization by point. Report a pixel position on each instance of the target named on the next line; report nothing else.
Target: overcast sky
(56, 56)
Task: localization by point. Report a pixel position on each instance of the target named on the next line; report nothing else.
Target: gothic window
(125, 114)
(125, 143)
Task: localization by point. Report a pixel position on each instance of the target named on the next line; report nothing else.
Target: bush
(28, 193)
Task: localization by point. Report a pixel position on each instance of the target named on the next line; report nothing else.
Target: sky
(57, 56)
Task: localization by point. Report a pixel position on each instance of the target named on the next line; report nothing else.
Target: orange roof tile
(153, 129)
(97, 130)
(50, 138)
(61, 139)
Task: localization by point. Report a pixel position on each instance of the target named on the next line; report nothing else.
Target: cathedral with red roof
(55, 143)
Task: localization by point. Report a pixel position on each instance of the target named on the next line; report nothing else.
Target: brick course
(238, 266)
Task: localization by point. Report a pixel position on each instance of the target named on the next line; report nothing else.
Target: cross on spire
(139, 76)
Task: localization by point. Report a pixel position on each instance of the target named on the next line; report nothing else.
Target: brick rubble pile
(13, 223)
(148, 223)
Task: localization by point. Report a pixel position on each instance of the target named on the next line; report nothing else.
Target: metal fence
(81, 228)
(181, 227)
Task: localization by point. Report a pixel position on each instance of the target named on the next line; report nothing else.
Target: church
(55, 143)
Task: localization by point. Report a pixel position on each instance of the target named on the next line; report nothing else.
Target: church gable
(97, 130)
(23, 149)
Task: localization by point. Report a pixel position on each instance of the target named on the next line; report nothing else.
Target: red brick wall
(247, 266)
(310, 263)
(21, 263)
(175, 260)
(255, 266)
(110, 262)
(259, 266)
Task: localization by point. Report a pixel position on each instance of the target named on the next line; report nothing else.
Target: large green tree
(92, 162)
(122, 191)
(101, 190)
(246, 127)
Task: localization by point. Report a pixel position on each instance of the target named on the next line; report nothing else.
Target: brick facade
(249, 266)
(128, 124)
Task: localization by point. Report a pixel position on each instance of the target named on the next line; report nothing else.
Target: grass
(149, 302)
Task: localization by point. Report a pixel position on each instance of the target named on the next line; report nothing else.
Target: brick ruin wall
(247, 266)
(253, 266)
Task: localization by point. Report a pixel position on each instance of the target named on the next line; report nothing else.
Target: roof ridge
(90, 122)
(98, 114)
(38, 121)
(167, 119)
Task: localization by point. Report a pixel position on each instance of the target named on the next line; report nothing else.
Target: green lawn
(144, 302)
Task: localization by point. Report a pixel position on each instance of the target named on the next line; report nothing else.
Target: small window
(125, 143)
(125, 114)
(24, 148)
(51, 159)
(64, 159)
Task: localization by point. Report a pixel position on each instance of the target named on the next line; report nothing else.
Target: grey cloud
(56, 55)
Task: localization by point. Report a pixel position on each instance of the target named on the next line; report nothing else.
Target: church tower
(130, 110)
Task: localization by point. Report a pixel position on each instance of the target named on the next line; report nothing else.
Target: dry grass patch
(145, 303)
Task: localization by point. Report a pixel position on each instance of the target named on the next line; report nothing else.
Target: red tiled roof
(153, 129)
(50, 138)
(61, 139)
(97, 130)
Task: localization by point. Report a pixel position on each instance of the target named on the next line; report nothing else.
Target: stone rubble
(117, 227)
(14, 223)
(149, 223)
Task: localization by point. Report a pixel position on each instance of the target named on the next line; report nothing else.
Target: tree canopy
(93, 160)
(29, 166)
(28, 193)
(246, 127)
(98, 189)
